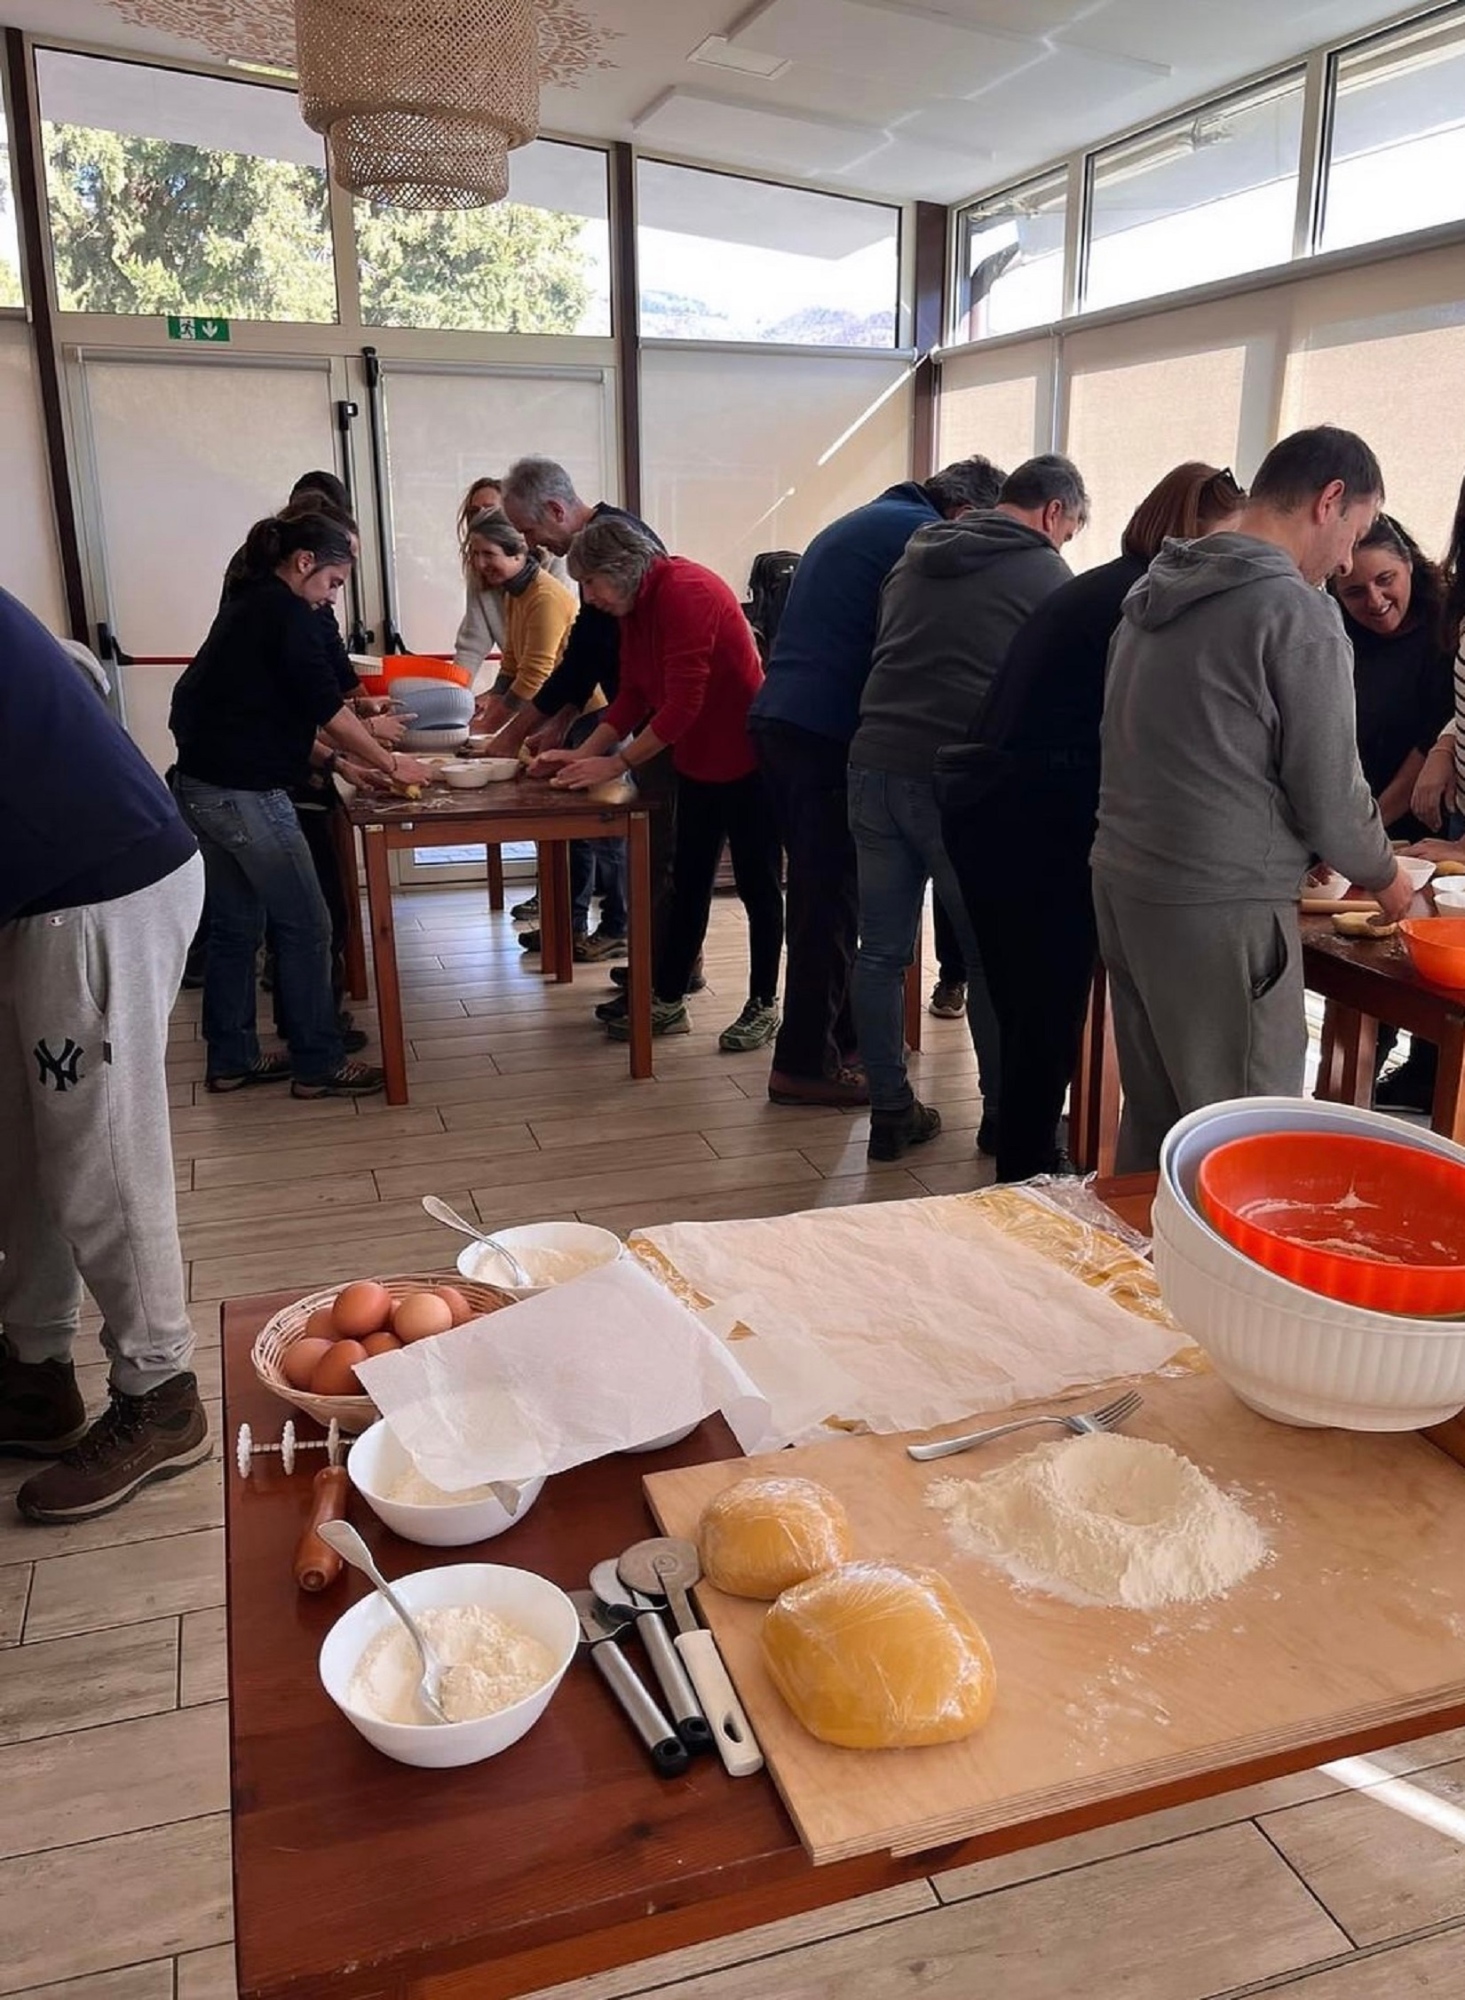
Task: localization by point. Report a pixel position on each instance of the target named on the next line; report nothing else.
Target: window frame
(961, 276)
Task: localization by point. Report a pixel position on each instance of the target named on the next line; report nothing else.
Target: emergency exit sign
(207, 332)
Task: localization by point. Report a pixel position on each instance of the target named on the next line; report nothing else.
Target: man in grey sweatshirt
(1230, 764)
(948, 612)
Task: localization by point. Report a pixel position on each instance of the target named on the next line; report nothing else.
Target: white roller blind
(30, 565)
(999, 404)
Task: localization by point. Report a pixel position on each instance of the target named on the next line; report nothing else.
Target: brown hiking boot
(41, 1411)
(136, 1440)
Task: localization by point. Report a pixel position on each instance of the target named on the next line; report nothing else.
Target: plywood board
(1357, 1621)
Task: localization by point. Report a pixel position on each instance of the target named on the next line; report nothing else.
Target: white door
(185, 454)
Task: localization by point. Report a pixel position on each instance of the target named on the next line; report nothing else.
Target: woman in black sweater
(1027, 785)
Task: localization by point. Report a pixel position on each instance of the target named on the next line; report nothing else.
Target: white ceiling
(936, 100)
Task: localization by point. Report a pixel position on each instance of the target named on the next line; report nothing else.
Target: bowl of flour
(413, 1507)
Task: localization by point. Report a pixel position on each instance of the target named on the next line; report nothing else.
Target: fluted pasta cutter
(666, 1567)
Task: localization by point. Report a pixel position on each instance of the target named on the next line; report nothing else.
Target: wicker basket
(352, 1413)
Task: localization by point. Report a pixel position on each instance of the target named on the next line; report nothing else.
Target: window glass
(10, 292)
(1012, 259)
(1397, 155)
(173, 193)
(723, 258)
(536, 263)
(1202, 198)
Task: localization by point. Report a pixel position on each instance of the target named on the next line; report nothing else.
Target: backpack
(768, 587)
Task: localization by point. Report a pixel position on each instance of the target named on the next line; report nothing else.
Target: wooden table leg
(555, 865)
(914, 976)
(343, 834)
(638, 903)
(550, 929)
(384, 960)
(1448, 1115)
(1094, 1092)
(495, 876)
(1349, 1043)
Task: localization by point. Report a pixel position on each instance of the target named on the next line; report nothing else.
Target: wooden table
(521, 809)
(358, 1877)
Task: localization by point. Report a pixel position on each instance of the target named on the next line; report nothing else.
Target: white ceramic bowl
(465, 777)
(1448, 892)
(1290, 1353)
(494, 770)
(377, 1460)
(1416, 867)
(578, 1239)
(518, 1595)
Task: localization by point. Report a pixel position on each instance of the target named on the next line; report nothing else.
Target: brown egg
(381, 1343)
(454, 1300)
(321, 1325)
(420, 1315)
(362, 1308)
(335, 1372)
(302, 1357)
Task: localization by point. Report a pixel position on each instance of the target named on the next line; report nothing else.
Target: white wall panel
(30, 565)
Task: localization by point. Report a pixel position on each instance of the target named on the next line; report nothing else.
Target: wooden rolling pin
(316, 1565)
(1327, 906)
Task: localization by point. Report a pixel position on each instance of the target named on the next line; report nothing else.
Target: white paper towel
(593, 1366)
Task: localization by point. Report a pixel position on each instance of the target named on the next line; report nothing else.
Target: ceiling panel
(723, 128)
(905, 47)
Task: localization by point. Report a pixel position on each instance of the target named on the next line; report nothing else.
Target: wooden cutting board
(1356, 1622)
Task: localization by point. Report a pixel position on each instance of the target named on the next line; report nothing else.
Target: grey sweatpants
(1207, 1000)
(86, 1176)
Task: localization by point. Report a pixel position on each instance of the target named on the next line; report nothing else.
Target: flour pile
(1106, 1519)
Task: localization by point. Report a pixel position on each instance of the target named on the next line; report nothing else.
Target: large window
(1202, 198)
(10, 292)
(723, 258)
(1397, 157)
(1011, 269)
(536, 263)
(173, 193)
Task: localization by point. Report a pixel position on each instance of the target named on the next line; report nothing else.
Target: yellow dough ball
(761, 1535)
(877, 1656)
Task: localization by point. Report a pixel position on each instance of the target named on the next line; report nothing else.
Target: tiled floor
(114, 1880)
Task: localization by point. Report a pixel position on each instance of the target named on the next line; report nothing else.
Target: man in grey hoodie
(1230, 764)
(948, 612)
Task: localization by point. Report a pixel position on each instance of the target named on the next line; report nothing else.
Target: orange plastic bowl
(424, 667)
(1361, 1220)
(1436, 948)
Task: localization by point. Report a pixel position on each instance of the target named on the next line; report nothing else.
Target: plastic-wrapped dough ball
(876, 1656)
(761, 1535)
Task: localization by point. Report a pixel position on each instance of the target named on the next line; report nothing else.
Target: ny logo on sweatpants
(63, 1071)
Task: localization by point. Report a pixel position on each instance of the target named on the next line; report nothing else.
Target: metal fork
(1109, 1418)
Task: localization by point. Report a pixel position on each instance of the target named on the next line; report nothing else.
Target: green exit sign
(207, 332)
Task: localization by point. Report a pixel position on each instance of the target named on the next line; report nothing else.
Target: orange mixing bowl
(1361, 1220)
(1436, 948)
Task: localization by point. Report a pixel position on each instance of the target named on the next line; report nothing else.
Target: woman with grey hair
(689, 669)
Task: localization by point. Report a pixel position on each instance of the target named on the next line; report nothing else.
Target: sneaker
(668, 1017)
(136, 1440)
(892, 1132)
(620, 974)
(352, 1079)
(41, 1411)
(948, 999)
(529, 940)
(598, 945)
(610, 1011)
(268, 1069)
(849, 1085)
(1410, 1087)
(754, 1028)
(354, 1040)
(526, 912)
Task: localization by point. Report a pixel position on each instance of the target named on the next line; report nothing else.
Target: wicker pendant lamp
(420, 101)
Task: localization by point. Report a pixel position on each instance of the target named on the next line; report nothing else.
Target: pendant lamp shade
(420, 101)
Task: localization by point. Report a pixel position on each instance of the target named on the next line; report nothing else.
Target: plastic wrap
(1065, 1222)
(880, 1656)
(762, 1535)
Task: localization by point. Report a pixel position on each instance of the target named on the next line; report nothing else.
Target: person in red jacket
(689, 669)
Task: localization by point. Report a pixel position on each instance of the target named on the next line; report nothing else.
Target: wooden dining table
(366, 1879)
(523, 809)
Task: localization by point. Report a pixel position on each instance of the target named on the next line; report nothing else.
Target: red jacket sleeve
(688, 618)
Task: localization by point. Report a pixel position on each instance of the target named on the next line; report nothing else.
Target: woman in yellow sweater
(538, 614)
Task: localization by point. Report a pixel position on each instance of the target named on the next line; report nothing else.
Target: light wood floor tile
(242, 1205)
(758, 1200)
(1448, 1747)
(153, 1981)
(723, 1115)
(1383, 1861)
(144, 1895)
(301, 1268)
(207, 1975)
(488, 1137)
(530, 1170)
(119, 1778)
(955, 1177)
(171, 1507)
(509, 1201)
(540, 1098)
(204, 1669)
(844, 1153)
(126, 1586)
(365, 1220)
(99, 1677)
(1434, 1965)
(15, 1583)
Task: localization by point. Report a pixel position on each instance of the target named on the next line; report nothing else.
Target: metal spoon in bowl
(440, 1212)
(343, 1538)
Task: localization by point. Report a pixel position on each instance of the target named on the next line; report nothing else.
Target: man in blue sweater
(802, 720)
(100, 891)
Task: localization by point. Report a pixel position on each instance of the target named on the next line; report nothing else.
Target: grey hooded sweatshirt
(1230, 752)
(948, 612)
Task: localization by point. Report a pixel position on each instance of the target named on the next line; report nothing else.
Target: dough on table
(880, 1656)
(761, 1535)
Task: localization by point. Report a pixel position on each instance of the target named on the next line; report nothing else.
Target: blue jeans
(598, 867)
(258, 865)
(896, 826)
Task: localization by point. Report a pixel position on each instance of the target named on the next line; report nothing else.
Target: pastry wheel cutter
(665, 1567)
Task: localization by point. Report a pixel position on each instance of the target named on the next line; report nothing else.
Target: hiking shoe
(610, 1011)
(847, 1086)
(619, 974)
(1410, 1086)
(267, 1069)
(529, 940)
(526, 912)
(354, 1040)
(136, 1440)
(41, 1411)
(892, 1132)
(754, 1028)
(948, 999)
(352, 1079)
(668, 1017)
(598, 945)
